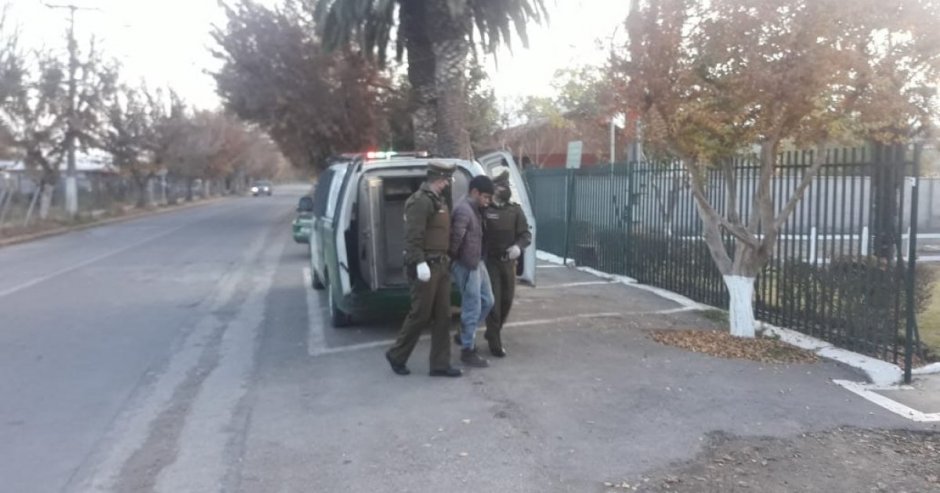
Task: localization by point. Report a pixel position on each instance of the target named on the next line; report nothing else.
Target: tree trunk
(45, 200)
(141, 183)
(449, 34)
(741, 305)
(420, 75)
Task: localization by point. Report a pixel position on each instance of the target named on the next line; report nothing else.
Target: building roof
(84, 161)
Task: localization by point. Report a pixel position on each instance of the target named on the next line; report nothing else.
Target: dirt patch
(723, 345)
(845, 459)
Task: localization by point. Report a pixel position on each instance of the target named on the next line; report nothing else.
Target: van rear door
(520, 194)
(370, 230)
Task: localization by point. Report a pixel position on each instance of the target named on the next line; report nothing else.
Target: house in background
(543, 143)
(91, 168)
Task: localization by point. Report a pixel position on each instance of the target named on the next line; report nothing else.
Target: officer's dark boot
(470, 357)
(496, 345)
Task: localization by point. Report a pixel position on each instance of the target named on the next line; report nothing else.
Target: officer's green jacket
(427, 226)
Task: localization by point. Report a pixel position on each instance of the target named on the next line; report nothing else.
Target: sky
(167, 42)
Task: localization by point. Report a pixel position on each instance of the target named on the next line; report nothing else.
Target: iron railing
(838, 271)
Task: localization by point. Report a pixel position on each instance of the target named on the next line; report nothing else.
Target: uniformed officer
(427, 237)
(505, 236)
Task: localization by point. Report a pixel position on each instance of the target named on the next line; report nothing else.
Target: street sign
(574, 154)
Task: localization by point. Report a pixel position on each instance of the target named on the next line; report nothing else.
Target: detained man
(468, 269)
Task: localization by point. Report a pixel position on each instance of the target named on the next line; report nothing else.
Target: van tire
(338, 317)
(317, 282)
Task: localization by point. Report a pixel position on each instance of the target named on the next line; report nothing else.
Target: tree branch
(710, 221)
(808, 177)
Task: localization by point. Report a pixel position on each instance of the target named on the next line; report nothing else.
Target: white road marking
(546, 321)
(866, 391)
(550, 266)
(316, 339)
(201, 463)
(88, 262)
(132, 427)
(577, 284)
(321, 351)
(358, 347)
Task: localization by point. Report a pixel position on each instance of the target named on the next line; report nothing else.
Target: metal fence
(838, 272)
(99, 194)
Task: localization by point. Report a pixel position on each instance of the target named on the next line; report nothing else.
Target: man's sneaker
(470, 358)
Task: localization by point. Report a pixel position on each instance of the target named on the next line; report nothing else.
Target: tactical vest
(500, 229)
(437, 233)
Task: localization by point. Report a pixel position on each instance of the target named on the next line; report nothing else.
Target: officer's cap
(440, 169)
(500, 175)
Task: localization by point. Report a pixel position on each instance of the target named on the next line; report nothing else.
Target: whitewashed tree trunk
(45, 201)
(741, 305)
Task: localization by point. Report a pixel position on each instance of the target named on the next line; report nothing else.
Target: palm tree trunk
(449, 32)
(420, 75)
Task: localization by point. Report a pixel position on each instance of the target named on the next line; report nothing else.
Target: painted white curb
(686, 303)
(867, 391)
(930, 369)
(878, 372)
(552, 259)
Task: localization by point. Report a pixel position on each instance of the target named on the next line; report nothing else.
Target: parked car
(303, 222)
(358, 239)
(262, 187)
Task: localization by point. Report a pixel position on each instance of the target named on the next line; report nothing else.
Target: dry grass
(928, 321)
(723, 345)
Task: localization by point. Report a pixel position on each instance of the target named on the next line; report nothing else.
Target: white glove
(424, 272)
(513, 252)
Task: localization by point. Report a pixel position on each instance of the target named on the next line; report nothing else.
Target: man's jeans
(476, 294)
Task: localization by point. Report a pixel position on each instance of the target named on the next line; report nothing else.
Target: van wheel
(337, 316)
(317, 282)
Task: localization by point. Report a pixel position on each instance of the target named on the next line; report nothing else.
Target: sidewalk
(585, 400)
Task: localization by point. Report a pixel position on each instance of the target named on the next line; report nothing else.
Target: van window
(322, 193)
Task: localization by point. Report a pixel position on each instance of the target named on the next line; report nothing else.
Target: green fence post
(569, 210)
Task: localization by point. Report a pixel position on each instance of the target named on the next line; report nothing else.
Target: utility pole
(71, 178)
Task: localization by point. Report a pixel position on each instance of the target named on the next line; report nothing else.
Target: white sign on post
(574, 154)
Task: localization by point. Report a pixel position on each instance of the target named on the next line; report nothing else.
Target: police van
(358, 237)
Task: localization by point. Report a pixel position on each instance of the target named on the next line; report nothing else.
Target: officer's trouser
(430, 308)
(503, 279)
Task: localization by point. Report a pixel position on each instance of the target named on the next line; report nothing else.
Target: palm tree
(437, 36)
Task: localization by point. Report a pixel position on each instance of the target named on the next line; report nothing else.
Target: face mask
(504, 194)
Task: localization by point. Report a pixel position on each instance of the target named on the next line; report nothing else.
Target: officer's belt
(434, 259)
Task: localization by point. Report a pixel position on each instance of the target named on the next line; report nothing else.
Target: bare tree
(127, 131)
(34, 113)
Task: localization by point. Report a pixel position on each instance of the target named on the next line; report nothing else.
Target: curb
(879, 372)
(104, 222)
(931, 369)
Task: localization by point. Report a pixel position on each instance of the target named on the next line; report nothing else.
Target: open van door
(345, 198)
(520, 194)
(370, 230)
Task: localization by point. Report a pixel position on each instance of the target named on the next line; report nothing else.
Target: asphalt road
(186, 352)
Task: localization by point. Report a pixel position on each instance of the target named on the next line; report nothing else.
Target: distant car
(358, 237)
(304, 221)
(263, 187)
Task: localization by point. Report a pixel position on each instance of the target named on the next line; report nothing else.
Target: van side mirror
(305, 205)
